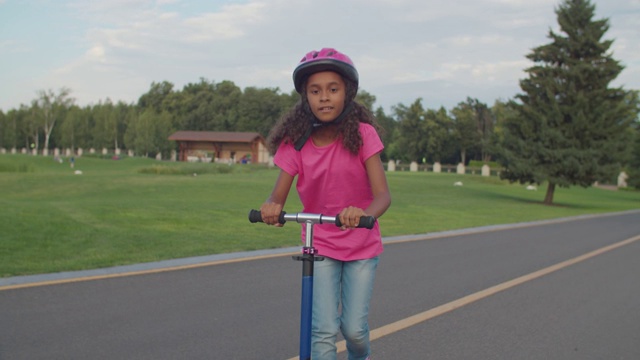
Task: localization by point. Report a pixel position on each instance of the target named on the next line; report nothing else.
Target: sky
(440, 51)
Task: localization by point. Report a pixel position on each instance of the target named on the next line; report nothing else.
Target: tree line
(53, 120)
(569, 126)
(411, 133)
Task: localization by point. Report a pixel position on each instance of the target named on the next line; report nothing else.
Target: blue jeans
(346, 283)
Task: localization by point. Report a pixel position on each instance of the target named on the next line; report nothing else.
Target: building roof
(216, 136)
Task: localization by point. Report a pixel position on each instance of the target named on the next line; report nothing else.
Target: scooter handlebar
(366, 222)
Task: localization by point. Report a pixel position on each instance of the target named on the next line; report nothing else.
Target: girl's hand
(271, 213)
(350, 217)
(272, 208)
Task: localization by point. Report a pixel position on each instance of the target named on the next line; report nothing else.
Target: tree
(11, 131)
(140, 133)
(485, 122)
(148, 133)
(31, 125)
(224, 106)
(465, 127)
(109, 123)
(411, 142)
(104, 125)
(154, 98)
(501, 111)
(366, 99)
(571, 127)
(191, 106)
(73, 130)
(5, 130)
(438, 129)
(259, 109)
(633, 99)
(388, 125)
(52, 107)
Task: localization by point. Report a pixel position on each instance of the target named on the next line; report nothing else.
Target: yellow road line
(450, 306)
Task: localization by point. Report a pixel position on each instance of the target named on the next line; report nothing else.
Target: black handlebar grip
(255, 216)
(366, 222)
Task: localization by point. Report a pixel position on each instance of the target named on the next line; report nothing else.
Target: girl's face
(326, 92)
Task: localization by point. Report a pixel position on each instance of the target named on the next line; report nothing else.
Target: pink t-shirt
(331, 178)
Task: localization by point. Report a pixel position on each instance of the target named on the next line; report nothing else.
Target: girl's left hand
(350, 217)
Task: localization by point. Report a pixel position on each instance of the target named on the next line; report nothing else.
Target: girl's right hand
(271, 213)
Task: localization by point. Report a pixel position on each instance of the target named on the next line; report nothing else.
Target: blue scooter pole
(308, 258)
(306, 307)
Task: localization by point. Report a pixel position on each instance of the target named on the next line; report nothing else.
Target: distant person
(332, 144)
(72, 162)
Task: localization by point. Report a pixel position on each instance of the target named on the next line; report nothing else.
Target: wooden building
(213, 146)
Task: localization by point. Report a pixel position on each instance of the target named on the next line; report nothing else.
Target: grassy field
(136, 210)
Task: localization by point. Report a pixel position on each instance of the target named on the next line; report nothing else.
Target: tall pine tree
(571, 127)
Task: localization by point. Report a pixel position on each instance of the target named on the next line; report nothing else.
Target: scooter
(308, 257)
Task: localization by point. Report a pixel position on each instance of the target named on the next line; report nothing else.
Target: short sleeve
(371, 142)
(286, 158)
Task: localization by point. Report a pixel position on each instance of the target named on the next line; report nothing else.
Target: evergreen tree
(571, 127)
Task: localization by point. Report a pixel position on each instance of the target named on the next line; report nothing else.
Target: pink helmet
(327, 59)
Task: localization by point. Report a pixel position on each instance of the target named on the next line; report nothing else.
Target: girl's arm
(272, 208)
(350, 217)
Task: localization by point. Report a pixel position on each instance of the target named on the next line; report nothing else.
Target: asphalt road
(565, 289)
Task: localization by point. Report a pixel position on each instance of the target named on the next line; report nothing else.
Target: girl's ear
(351, 91)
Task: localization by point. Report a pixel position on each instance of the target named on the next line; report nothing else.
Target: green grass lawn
(139, 210)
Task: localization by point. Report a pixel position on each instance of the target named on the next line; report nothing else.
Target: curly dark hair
(295, 123)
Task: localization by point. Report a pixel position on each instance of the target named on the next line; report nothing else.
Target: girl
(331, 143)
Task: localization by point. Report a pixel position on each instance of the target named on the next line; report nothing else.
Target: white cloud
(442, 50)
(13, 47)
(227, 24)
(96, 53)
(526, 3)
